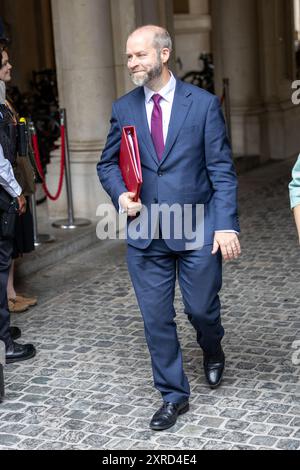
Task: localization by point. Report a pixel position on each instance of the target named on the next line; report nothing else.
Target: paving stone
(279, 419)
(33, 430)
(215, 445)
(192, 430)
(122, 410)
(30, 444)
(12, 428)
(120, 431)
(288, 444)
(95, 441)
(297, 434)
(259, 428)
(243, 447)
(192, 443)
(9, 439)
(236, 425)
(281, 431)
(263, 441)
(210, 433)
(119, 444)
(232, 413)
(295, 422)
(12, 417)
(96, 428)
(77, 414)
(53, 434)
(53, 445)
(90, 385)
(236, 436)
(74, 436)
(211, 422)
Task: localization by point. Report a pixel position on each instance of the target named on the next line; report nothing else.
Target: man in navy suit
(186, 160)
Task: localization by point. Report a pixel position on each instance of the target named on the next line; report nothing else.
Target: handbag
(8, 215)
(24, 174)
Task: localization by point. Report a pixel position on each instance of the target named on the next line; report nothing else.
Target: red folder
(129, 161)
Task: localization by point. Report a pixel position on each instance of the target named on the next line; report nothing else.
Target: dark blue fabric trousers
(6, 248)
(153, 273)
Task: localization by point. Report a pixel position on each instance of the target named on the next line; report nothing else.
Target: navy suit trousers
(153, 273)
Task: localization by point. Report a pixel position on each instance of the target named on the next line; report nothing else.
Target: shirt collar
(165, 92)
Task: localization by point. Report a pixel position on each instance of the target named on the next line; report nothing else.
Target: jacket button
(160, 173)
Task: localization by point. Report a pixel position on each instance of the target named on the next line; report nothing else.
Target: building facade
(253, 45)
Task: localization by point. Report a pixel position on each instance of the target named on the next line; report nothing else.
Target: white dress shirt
(7, 177)
(167, 93)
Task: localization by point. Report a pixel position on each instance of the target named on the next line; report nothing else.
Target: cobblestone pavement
(90, 385)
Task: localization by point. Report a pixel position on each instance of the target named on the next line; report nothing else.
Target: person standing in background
(24, 238)
(12, 190)
(294, 188)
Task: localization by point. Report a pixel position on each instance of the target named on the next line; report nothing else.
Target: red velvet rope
(222, 99)
(40, 167)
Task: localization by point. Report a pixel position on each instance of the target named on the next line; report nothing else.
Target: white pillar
(127, 15)
(235, 44)
(199, 7)
(281, 118)
(124, 21)
(253, 47)
(193, 35)
(86, 82)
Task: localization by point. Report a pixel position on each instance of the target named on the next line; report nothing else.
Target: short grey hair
(162, 40)
(161, 37)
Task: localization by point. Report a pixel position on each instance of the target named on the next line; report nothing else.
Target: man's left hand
(229, 245)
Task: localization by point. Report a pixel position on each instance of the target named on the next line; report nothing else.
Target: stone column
(235, 47)
(86, 82)
(158, 12)
(193, 33)
(297, 16)
(124, 21)
(128, 15)
(281, 119)
(26, 50)
(151, 12)
(253, 47)
(199, 7)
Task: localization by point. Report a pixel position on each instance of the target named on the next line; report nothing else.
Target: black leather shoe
(19, 352)
(15, 332)
(167, 415)
(214, 367)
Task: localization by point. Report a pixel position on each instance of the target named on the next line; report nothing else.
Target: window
(181, 6)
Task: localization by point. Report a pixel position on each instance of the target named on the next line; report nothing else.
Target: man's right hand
(22, 204)
(128, 205)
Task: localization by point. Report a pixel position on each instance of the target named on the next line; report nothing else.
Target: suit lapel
(142, 127)
(180, 109)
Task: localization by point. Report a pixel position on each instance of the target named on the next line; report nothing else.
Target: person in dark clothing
(9, 185)
(24, 238)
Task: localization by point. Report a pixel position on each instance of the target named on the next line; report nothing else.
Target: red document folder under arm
(129, 161)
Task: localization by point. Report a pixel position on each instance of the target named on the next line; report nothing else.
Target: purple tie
(157, 127)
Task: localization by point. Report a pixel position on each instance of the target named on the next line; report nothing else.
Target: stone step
(66, 243)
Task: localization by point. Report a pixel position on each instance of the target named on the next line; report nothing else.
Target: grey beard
(155, 72)
(2, 92)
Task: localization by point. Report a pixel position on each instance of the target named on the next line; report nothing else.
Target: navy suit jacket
(196, 167)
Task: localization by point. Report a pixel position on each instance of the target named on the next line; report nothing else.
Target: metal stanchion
(69, 223)
(227, 107)
(2, 364)
(39, 239)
